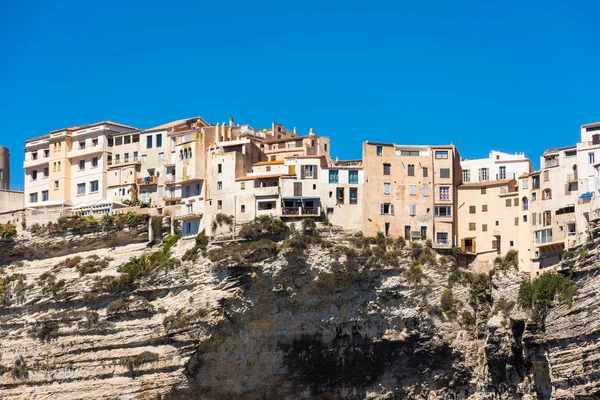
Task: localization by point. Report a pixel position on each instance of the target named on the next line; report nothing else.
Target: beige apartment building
(550, 197)
(497, 166)
(68, 167)
(488, 220)
(410, 191)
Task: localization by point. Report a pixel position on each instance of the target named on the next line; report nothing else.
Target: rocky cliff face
(315, 317)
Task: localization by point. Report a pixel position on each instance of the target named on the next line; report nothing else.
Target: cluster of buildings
(197, 170)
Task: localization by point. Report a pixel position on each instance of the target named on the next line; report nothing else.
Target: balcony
(550, 163)
(189, 213)
(442, 245)
(572, 178)
(509, 175)
(266, 191)
(301, 211)
(86, 151)
(148, 180)
(171, 197)
(38, 161)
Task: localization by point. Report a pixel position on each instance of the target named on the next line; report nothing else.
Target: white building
(497, 166)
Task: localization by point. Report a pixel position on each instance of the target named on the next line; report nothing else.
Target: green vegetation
(143, 266)
(200, 245)
(8, 231)
(20, 370)
(92, 265)
(47, 281)
(7, 290)
(309, 226)
(72, 262)
(503, 305)
(510, 260)
(169, 242)
(414, 274)
(447, 302)
(246, 251)
(78, 224)
(180, 320)
(123, 305)
(264, 227)
(539, 294)
(467, 318)
(45, 330)
(222, 219)
(135, 361)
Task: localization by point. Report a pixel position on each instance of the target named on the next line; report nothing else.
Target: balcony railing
(37, 161)
(551, 163)
(442, 245)
(506, 175)
(188, 213)
(572, 178)
(148, 180)
(298, 211)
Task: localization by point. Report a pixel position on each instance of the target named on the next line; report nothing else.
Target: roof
(379, 143)
(175, 123)
(269, 162)
(590, 125)
(74, 128)
(524, 175)
(500, 182)
(287, 139)
(248, 178)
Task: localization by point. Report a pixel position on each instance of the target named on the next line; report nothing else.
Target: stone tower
(4, 168)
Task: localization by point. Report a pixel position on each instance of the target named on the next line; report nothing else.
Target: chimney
(230, 121)
(294, 131)
(311, 132)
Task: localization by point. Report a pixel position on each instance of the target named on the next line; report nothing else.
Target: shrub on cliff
(447, 302)
(510, 260)
(308, 226)
(200, 245)
(134, 362)
(264, 227)
(8, 231)
(539, 294)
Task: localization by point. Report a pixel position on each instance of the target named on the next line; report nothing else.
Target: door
(423, 233)
(297, 188)
(291, 170)
(407, 232)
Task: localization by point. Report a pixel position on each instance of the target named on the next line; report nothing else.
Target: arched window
(525, 201)
(185, 154)
(181, 154)
(190, 152)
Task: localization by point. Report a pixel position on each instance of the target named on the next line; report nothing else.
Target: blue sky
(510, 76)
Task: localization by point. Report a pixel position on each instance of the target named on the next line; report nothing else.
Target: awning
(55, 203)
(98, 204)
(587, 195)
(300, 197)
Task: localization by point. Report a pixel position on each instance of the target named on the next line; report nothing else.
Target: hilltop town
(200, 172)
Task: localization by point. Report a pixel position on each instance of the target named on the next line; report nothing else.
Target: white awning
(55, 203)
(98, 204)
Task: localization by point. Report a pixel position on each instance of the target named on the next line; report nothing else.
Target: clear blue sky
(511, 75)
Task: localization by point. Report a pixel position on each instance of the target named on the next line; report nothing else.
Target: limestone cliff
(326, 316)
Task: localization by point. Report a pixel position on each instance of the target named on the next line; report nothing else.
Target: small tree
(308, 226)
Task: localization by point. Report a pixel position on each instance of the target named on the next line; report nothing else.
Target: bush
(415, 250)
(248, 252)
(427, 256)
(264, 227)
(8, 231)
(221, 219)
(92, 265)
(510, 260)
(400, 242)
(201, 244)
(467, 318)
(447, 302)
(169, 242)
(45, 330)
(503, 305)
(308, 226)
(414, 274)
(143, 266)
(135, 361)
(72, 262)
(539, 294)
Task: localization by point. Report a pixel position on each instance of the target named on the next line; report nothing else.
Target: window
(44, 195)
(33, 197)
(409, 153)
(161, 156)
(93, 186)
(441, 155)
(34, 175)
(425, 172)
(484, 228)
(444, 172)
(219, 168)
(533, 196)
(497, 223)
(425, 191)
(219, 204)
(412, 210)
(353, 196)
(82, 164)
(339, 195)
(413, 190)
(219, 185)
(511, 243)
(483, 190)
(387, 208)
(46, 153)
(502, 174)
(443, 211)
(546, 176)
(570, 229)
(411, 170)
(329, 210)
(466, 176)
(82, 144)
(444, 193)
(94, 142)
(472, 226)
(94, 162)
(524, 218)
(472, 209)
(516, 202)
(297, 188)
(441, 237)
(495, 244)
(387, 229)
(353, 176)
(546, 194)
(34, 156)
(46, 172)
(516, 220)
(386, 188)
(243, 185)
(135, 156)
(81, 188)
(117, 159)
(243, 208)
(525, 202)
(379, 150)
(525, 184)
(508, 202)
(159, 140)
(144, 158)
(484, 208)
(56, 185)
(333, 176)
(387, 169)
(149, 141)
(484, 174)
(309, 172)
(591, 158)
